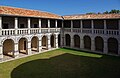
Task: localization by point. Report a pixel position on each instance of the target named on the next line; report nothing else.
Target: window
(35, 26)
(22, 26)
(5, 26)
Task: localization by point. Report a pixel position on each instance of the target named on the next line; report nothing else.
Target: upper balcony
(24, 26)
(101, 27)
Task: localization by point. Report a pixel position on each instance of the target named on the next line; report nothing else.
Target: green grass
(62, 63)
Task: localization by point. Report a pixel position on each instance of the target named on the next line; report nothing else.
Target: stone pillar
(105, 47)
(16, 51)
(119, 38)
(56, 40)
(48, 26)
(92, 24)
(29, 25)
(40, 25)
(105, 27)
(72, 41)
(62, 36)
(48, 43)
(118, 47)
(81, 24)
(1, 52)
(29, 47)
(40, 44)
(81, 43)
(71, 25)
(0, 25)
(119, 26)
(56, 25)
(92, 44)
(16, 25)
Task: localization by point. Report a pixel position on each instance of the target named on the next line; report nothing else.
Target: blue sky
(65, 7)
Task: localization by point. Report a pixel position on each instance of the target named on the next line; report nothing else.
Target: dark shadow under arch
(99, 44)
(113, 45)
(76, 41)
(67, 40)
(87, 42)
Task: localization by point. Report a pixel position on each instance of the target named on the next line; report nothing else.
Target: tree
(106, 12)
(90, 13)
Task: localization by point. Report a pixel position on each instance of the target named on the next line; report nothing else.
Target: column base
(1, 56)
(16, 54)
(29, 51)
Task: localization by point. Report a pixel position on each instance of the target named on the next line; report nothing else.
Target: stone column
(92, 44)
(118, 47)
(16, 51)
(105, 27)
(56, 25)
(29, 47)
(40, 44)
(72, 41)
(81, 24)
(29, 25)
(62, 36)
(56, 40)
(81, 43)
(92, 24)
(119, 38)
(48, 26)
(71, 25)
(16, 25)
(40, 25)
(1, 52)
(0, 25)
(48, 43)
(105, 46)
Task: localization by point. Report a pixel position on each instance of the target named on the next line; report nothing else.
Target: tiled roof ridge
(91, 14)
(24, 9)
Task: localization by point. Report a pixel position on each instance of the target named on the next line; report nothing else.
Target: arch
(52, 41)
(112, 45)
(8, 47)
(35, 44)
(22, 46)
(76, 41)
(59, 40)
(99, 44)
(44, 42)
(67, 40)
(87, 42)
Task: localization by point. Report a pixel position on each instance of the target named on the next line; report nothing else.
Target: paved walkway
(21, 55)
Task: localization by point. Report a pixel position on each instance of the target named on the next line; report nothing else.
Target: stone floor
(21, 55)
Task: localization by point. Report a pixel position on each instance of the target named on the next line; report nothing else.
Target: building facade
(25, 32)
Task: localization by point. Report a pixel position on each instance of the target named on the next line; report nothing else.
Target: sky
(65, 7)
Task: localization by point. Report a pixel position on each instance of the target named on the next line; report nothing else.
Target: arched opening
(67, 40)
(23, 46)
(44, 42)
(99, 44)
(8, 47)
(87, 42)
(76, 41)
(52, 41)
(59, 40)
(35, 44)
(113, 45)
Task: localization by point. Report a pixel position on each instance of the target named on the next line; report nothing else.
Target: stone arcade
(25, 32)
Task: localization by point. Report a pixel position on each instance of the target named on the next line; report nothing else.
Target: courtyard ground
(62, 63)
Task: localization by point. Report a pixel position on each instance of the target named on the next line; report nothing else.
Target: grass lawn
(62, 63)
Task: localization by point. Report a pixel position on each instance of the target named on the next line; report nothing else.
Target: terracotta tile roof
(6, 10)
(92, 16)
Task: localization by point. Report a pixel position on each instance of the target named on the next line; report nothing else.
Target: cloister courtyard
(63, 63)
